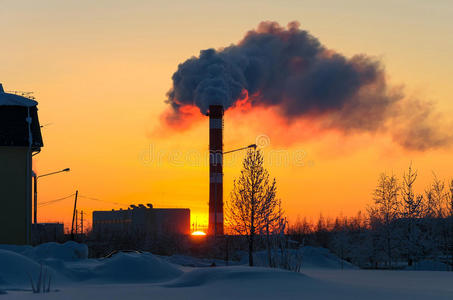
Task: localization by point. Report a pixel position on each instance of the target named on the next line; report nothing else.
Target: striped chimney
(215, 170)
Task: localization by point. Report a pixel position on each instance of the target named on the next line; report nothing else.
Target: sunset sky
(100, 71)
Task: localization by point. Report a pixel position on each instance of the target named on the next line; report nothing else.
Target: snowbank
(189, 261)
(66, 252)
(145, 275)
(16, 269)
(309, 257)
(16, 248)
(236, 274)
(429, 265)
(134, 267)
(318, 257)
(68, 263)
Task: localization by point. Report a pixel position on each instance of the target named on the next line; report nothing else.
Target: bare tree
(385, 211)
(450, 199)
(436, 203)
(253, 207)
(411, 204)
(411, 211)
(450, 222)
(274, 224)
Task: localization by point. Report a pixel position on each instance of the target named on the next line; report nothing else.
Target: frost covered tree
(450, 200)
(411, 212)
(360, 248)
(253, 207)
(322, 231)
(436, 202)
(275, 225)
(340, 240)
(450, 223)
(301, 230)
(385, 212)
(441, 214)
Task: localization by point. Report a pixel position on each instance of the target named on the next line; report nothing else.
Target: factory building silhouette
(20, 139)
(143, 219)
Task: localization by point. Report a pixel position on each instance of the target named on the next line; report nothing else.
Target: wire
(100, 200)
(80, 196)
(54, 201)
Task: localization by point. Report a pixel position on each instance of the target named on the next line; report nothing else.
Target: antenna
(81, 222)
(28, 95)
(45, 125)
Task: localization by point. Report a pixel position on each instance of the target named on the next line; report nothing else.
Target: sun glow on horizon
(198, 233)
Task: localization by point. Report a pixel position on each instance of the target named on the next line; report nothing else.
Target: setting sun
(198, 233)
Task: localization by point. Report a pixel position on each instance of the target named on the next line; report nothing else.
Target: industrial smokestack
(215, 170)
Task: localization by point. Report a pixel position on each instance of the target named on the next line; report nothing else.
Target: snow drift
(134, 267)
(309, 257)
(67, 252)
(189, 261)
(206, 276)
(68, 263)
(16, 269)
(318, 257)
(429, 265)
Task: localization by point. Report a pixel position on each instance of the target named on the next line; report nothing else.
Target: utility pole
(76, 223)
(81, 222)
(74, 215)
(35, 194)
(35, 198)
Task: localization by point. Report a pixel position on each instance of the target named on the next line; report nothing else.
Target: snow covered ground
(145, 276)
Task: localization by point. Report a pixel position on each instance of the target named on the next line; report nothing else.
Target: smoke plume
(290, 70)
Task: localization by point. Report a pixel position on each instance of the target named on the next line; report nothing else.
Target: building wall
(47, 232)
(172, 220)
(112, 221)
(145, 220)
(15, 212)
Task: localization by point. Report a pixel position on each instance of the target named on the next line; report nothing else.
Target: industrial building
(143, 219)
(47, 232)
(20, 138)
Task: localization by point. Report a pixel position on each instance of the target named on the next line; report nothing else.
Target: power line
(84, 197)
(100, 200)
(54, 201)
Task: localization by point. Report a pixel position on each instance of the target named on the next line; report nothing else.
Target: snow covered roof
(7, 99)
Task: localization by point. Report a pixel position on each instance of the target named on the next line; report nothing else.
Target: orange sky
(101, 71)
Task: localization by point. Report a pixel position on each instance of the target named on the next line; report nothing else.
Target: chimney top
(215, 111)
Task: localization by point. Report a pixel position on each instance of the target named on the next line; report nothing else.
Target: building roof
(15, 130)
(7, 99)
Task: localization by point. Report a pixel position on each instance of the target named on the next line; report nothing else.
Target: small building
(47, 232)
(20, 138)
(143, 219)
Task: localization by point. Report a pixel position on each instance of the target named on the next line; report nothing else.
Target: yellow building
(20, 138)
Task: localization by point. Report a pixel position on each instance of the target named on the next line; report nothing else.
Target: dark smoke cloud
(289, 69)
(419, 126)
